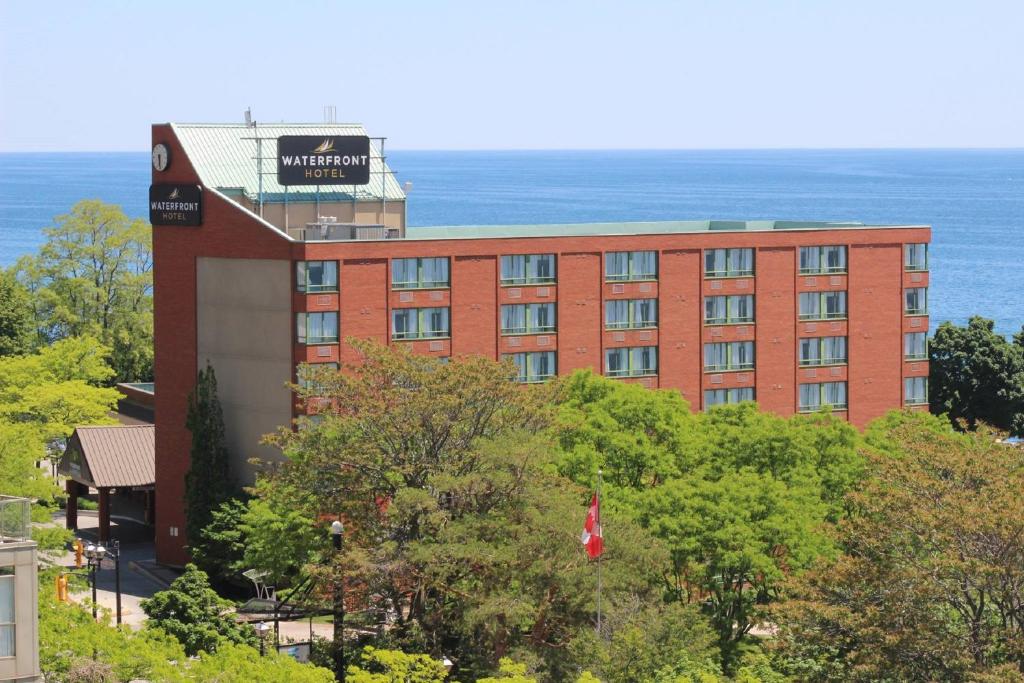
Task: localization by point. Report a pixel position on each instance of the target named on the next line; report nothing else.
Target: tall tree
(976, 375)
(207, 482)
(930, 583)
(456, 527)
(16, 316)
(93, 276)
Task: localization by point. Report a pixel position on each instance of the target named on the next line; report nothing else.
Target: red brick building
(795, 315)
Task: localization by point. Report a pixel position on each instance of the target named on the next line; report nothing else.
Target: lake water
(974, 199)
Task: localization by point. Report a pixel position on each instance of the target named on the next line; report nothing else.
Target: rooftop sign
(323, 160)
(175, 204)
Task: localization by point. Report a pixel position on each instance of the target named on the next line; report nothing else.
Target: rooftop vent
(727, 225)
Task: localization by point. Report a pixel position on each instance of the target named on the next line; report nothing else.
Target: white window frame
(820, 344)
(911, 395)
(908, 343)
(729, 351)
(915, 257)
(527, 363)
(921, 293)
(725, 258)
(13, 624)
(731, 304)
(820, 256)
(633, 319)
(529, 316)
(819, 390)
(632, 368)
(821, 297)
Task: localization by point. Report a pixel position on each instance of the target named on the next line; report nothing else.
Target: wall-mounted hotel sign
(175, 204)
(323, 160)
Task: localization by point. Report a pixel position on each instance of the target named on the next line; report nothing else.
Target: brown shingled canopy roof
(114, 456)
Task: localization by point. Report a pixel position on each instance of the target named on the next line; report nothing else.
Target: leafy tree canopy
(17, 324)
(93, 277)
(930, 582)
(976, 375)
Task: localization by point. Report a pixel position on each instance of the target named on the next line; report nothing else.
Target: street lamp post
(337, 530)
(94, 554)
(261, 630)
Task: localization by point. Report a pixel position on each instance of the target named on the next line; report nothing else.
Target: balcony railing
(15, 519)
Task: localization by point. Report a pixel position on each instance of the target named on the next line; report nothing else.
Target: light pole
(337, 531)
(94, 556)
(95, 553)
(261, 630)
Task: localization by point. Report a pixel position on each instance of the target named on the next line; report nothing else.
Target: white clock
(161, 157)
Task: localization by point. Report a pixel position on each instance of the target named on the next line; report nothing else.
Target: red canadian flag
(591, 536)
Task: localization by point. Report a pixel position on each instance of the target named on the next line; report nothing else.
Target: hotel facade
(262, 277)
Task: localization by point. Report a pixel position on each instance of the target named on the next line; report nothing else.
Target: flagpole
(602, 553)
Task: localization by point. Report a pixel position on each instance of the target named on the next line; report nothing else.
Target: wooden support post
(71, 511)
(104, 530)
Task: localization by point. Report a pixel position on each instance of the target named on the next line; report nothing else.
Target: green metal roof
(225, 157)
(633, 228)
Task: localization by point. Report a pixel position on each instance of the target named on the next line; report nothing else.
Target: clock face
(161, 157)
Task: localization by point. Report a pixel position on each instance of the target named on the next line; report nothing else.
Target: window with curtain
(728, 356)
(419, 273)
(822, 305)
(317, 328)
(631, 265)
(630, 313)
(7, 627)
(528, 269)
(533, 366)
(728, 309)
(915, 256)
(915, 346)
(527, 318)
(718, 397)
(631, 361)
(728, 262)
(820, 395)
(915, 391)
(420, 323)
(916, 300)
(831, 259)
(316, 276)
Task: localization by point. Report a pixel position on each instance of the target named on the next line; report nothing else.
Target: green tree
(207, 482)
(220, 546)
(195, 615)
(739, 497)
(93, 277)
(16, 317)
(279, 538)
(393, 666)
(976, 375)
(930, 582)
(457, 527)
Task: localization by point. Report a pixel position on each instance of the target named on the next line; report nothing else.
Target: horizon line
(965, 148)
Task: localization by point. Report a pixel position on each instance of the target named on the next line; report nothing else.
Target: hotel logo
(316, 160)
(175, 205)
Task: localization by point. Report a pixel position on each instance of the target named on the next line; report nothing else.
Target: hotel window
(915, 256)
(631, 265)
(622, 314)
(822, 351)
(528, 269)
(317, 328)
(915, 391)
(728, 262)
(7, 627)
(916, 301)
(419, 273)
(728, 356)
(822, 260)
(535, 366)
(305, 374)
(915, 346)
(814, 397)
(822, 305)
(527, 318)
(316, 276)
(728, 309)
(633, 361)
(718, 397)
(419, 323)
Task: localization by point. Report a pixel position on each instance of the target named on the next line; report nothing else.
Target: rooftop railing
(15, 519)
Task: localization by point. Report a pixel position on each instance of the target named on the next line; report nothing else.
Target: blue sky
(561, 74)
